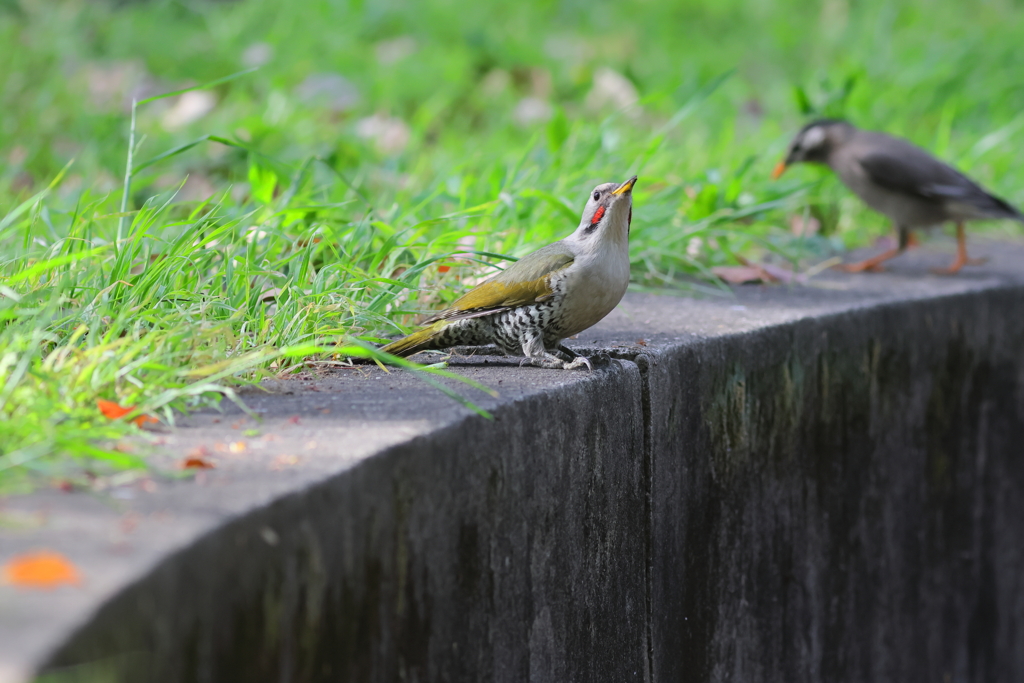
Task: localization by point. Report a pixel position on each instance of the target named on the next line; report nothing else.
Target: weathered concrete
(819, 483)
(506, 550)
(840, 496)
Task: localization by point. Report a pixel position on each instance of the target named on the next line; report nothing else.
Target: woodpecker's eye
(597, 195)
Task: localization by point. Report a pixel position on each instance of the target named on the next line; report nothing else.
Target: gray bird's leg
(873, 264)
(535, 351)
(961, 254)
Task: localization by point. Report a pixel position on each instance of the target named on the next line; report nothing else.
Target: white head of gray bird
(546, 296)
(814, 143)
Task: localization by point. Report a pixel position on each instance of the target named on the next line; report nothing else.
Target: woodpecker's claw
(550, 360)
(579, 361)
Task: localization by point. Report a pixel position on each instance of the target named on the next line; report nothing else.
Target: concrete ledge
(856, 513)
(821, 483)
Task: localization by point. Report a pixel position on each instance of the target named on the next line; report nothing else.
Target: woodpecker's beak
(779, 169)
(625, 187)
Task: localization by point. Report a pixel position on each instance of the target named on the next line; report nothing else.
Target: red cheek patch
(597, 215)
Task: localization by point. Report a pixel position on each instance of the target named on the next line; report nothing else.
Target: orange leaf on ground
(143, 419)
(115, 410)
(443, 269)
(43, 569)
(196, 463)
(112, 410)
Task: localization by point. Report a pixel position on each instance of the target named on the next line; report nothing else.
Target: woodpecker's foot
(565, 353)
(578, 362)
(554, 363)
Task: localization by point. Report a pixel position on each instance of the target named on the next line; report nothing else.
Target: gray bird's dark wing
(901, 167)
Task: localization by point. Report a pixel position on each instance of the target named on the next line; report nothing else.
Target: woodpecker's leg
(961, 259)
(535, 351)
(873, 264)
(577, 360)
(565, 353)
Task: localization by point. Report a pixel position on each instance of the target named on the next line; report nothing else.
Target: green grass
(272, 225)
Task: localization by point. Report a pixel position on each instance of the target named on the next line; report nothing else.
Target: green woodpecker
(544, 297)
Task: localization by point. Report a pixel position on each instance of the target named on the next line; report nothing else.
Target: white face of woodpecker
(608, 213)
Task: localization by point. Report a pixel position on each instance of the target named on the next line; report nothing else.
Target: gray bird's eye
(597, 195)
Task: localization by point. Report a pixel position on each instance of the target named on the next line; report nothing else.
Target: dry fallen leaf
(114, 411)
(236, 446)
(42, 569)
(739, 275)
(194, 463)
(801, 226)
(129, 523)
(750, 271)
(283, 461)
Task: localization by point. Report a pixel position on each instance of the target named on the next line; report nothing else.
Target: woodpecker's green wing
(524, 282)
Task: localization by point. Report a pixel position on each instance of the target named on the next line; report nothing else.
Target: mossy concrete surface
(837, 485)
(411, 541)
(815, 483)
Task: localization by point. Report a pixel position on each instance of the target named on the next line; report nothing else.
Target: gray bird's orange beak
(779, 169)
(625, 187)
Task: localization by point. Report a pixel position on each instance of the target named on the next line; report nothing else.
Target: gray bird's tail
(1007, 209)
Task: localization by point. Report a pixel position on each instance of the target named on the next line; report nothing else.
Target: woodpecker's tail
(420, 340)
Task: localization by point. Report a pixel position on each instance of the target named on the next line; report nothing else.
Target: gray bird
(897, 179)
(544, 297)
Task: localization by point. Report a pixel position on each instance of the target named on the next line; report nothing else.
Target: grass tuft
(380, 161)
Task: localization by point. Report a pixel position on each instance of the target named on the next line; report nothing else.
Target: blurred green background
(382, 156)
